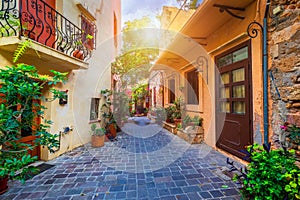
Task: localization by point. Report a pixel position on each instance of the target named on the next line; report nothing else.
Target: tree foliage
(189, 4)
(140, 48)
(20, 93)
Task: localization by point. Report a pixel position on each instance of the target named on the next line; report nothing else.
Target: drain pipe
(253, 29)
(265, 75)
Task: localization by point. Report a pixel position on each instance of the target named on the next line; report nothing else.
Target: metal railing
(38, 21)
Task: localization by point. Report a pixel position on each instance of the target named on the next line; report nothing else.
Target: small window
(88, 28)
(236, 56)
(171, 90)
(115, 30)
(94, 114)
(192, 87)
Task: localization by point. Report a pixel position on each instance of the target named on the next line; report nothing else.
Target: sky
(135, 9)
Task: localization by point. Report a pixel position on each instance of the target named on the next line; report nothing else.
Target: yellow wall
(226, 38)
(228, 35)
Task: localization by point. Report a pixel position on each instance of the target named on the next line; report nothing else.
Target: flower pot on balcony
(177, 121)
(78, 54)
(3, 184)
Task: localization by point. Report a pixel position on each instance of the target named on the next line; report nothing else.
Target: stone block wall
(284, 65)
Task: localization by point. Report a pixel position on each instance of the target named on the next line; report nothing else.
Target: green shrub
(271, 174)
(18, 109)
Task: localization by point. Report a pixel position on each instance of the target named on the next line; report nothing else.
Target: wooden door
(171, 90)
(27, 134)
(234, 100)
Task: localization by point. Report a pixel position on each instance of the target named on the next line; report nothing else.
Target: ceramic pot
(98, 141)
(78, 54)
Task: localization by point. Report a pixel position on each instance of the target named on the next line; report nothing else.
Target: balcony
(56, 42)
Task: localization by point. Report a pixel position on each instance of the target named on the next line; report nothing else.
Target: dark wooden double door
(234, 100)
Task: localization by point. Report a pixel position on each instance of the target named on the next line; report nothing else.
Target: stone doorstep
(192, 136)
(170, 127)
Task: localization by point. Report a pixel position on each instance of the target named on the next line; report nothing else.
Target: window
(94, 114)
(192, 87)
(236, 56)
(171, 90)
(115, 30)
(88, 28)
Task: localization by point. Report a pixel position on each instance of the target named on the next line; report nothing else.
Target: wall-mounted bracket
(202, 66)
(228, 9)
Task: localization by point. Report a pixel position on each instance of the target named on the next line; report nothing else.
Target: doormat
(41, 168)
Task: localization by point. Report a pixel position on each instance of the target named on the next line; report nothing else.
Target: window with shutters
(94, 113)
(171, 84)
(88, 33)
(192, 87)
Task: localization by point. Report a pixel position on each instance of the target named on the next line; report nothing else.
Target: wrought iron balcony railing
(39, 21)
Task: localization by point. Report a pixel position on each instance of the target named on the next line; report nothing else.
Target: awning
(207, 19)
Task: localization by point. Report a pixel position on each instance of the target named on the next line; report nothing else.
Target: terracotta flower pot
(98, 141)
(112, 130)
(3, 184)
(177, 121)
(78, 54)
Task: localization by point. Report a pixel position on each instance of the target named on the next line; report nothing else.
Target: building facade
(75, 36)
(216, 63)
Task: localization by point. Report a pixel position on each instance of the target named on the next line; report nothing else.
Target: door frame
(250, 89)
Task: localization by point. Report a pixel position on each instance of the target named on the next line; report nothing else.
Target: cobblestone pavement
(146, 162)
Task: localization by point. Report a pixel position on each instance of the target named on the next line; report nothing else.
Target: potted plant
(178, 104)
(81, 46)
(196, 121)
(169, 113)
(177, 117)
(18, 111)
(186, 121)
(98, 136)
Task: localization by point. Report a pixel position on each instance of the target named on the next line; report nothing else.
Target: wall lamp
(64, 100)
(202, 62)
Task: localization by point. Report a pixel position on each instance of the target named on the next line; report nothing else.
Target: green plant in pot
(82, 45)
(169, 113)
(21, 92)
(186, 121)
(178, 111)
(197, 120)
(98, 136)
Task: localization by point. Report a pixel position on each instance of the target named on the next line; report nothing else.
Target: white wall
(84, 84)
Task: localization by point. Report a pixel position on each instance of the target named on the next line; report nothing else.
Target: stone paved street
(146, 162)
